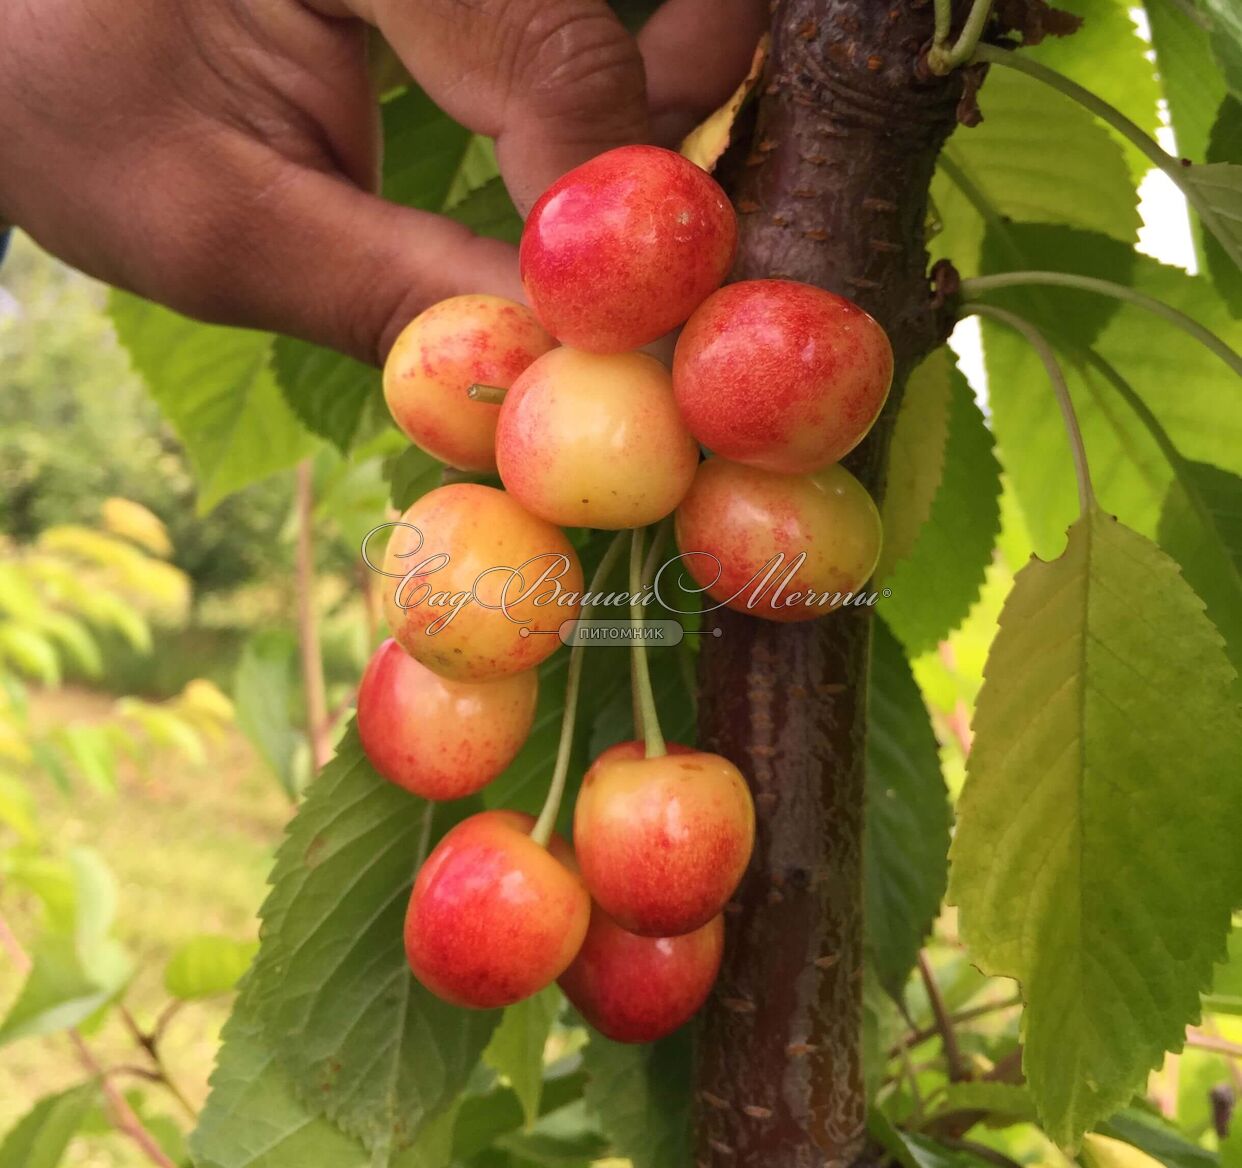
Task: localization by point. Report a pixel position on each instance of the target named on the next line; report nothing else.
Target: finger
(553, 81)
(696, 53)
(327, 262)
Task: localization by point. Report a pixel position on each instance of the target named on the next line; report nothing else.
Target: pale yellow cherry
(595, 440)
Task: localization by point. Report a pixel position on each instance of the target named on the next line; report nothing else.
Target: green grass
(190, 848)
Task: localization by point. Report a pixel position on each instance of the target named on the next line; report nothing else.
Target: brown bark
(833, 192)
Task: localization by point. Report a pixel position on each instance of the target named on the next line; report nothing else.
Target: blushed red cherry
(441, 353)
(736, 520)
(484, 583)
(593, 440)
(493, 916)
(624, 247)
(662, 842)
(781, 375)
(638, 989)
(438, 738)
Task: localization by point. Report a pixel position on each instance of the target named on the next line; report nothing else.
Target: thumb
(555, 82)
(335, 265)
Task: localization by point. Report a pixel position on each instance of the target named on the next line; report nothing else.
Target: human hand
(222, 156)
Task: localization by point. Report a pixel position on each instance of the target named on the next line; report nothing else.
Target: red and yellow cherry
(625, 247)
(781, 375)
(477, 585)
(595, 440)
(441, 353)
(494, 917)
(438, 738)
(782, 547)
(662, 842)
(638, 989)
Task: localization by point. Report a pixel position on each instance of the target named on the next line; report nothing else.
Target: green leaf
(262, 688)
(1224, 22)
(59, 992)
(1001, 1104)
(40, 1138)
(1000, 170)
(425, 151)
(916, 458)
(907, 830)
(29, 652)
(364, 1043)
(1218, 188)
(1188, 390)
(1077, 767)
(328, 391)
(216, 387)
(1157, 1138)
(1193, 91)
(411, 474)
(1201, 528)
(934, 586)
(206, 966)
(488, 210)
(1107, 33)
(77, 967)
(641, 1095)
(516, 1048)
(253, 1118)
(1225, 145)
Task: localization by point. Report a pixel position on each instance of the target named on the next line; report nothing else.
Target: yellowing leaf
(1105, 1152)
(135, 522)
(1103, 782)
(710, 138)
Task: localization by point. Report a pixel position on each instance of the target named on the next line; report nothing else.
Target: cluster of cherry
(779, 380)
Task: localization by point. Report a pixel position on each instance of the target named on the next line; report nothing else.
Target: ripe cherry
(737, 520)
(624, 247)
(638, 989)
(595, 440)
(438, 738)
(662, 842)
(493, 916)
(485, 584)
(460, 342)
(781, 375)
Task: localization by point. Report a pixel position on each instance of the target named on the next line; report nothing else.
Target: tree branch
(832, 191)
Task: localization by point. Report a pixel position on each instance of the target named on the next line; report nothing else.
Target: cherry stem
(542, 831)
(648, 718)
(1037, 341)
(492, 395)
(649, 571)
(942, 58)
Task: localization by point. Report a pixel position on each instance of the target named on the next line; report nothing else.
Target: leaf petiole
(1038, 342)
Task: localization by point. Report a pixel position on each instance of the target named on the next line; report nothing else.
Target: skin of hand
(222, 156)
